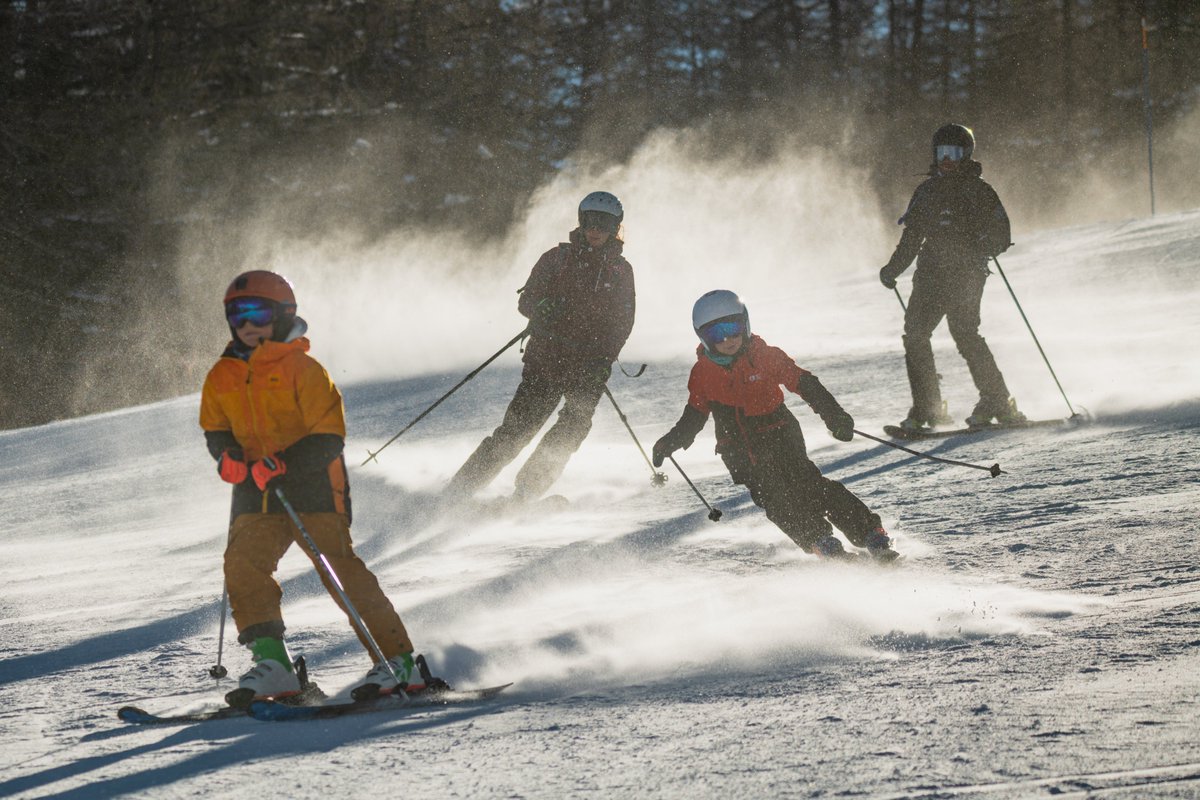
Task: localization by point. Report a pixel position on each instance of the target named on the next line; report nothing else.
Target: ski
(270, 711)
(896, 432)
(137, 716)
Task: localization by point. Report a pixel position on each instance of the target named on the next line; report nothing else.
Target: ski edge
(270, 711)
(896, 432)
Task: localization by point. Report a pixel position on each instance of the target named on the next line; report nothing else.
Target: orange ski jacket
(279, 401)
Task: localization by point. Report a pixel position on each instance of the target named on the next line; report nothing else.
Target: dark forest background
(133, 130)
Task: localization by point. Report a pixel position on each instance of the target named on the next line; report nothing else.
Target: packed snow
(1041, 635)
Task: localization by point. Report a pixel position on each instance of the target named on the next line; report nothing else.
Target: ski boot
(879, 545)
(830, 547)
(273, 675)
(1003, 411)
(920, 421)
(385, 678)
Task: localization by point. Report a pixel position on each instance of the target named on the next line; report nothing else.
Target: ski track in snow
(1041, 636)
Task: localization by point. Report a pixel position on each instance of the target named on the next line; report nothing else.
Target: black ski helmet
(954, 134)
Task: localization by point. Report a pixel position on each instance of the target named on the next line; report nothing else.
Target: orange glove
(268, 470)
(231, 466)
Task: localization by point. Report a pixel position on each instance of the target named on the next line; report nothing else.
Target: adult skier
(954, 224)
(273, 418)
(736, 379)
(579, 300)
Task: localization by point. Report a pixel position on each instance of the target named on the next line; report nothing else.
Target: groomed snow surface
(1041, 637)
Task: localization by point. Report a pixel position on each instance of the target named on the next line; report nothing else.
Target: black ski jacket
(954, 224)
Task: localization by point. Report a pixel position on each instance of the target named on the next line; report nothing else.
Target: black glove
(887, 278)
(598, 370)
(545, 311)
(841, 426)
(681, 436)
(663, 449)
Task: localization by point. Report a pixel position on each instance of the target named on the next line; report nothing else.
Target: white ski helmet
(605, 203)
(717, 305)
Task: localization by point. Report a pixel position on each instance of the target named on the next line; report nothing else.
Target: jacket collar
(267, 353)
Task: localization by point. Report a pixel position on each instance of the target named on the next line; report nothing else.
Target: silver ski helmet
(719, 315)
(601, 210)
(953, 135)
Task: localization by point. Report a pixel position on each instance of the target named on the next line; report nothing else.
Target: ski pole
(457, 386)
(359, 625)
(994, 470)
(1034, 335)
(713, 513)
(656, 478)
(903, 307)
(218, 670)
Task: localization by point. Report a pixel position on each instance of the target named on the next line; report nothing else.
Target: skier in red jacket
(736, 378)
(580, 303)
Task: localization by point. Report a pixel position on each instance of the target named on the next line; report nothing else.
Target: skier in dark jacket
(954, 224)
(736, 378)
(579, 300)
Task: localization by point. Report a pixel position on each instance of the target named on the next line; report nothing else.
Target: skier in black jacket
(954, 223)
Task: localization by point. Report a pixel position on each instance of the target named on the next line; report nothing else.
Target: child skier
(579, 300)
(273, 418)
(737, 377)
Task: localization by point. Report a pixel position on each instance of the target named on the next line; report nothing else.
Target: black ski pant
(771, 461)
(536, 398)
(956, 297)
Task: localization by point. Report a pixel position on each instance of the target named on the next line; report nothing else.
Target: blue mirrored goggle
(953, 152)
(716, 332)
(253, 310)
(598, 220)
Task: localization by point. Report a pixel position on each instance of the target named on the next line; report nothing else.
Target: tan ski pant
(258, 541)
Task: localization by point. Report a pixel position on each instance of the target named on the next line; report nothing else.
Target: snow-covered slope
(1040, 637)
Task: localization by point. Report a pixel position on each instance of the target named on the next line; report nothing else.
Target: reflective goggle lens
(953, 152)
(253, 310)
(598, 220)
(716, 332)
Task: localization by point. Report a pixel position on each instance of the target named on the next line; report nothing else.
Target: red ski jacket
(750, 384)
(747, 403)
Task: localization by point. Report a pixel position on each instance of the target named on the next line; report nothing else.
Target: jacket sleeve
(997, 231)
(684, 432)
(535, 291)
(313, 452)
(813, 392)
(220, 441)
(320, 401)
(911, 239)
(623, 310)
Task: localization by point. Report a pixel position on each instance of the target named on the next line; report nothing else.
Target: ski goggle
(598, 220)
(257, 311)
(714, 333)
(953, 152)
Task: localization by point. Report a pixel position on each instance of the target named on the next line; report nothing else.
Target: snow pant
(769, 459)
(957, 298)
(258, 541)
(536, 398)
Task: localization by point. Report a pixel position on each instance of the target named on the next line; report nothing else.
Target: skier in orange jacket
(272, 417)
